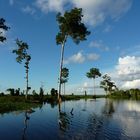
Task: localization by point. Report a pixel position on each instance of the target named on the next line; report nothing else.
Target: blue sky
(113, 45)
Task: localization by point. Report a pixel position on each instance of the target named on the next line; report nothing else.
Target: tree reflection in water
(64, 119)
(95, 127)
(97, 122)
(26, 120)
(108, 109)
(85, 106)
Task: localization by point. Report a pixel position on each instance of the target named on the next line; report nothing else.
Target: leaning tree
(22, 55)
(93, 73)
(70, 25)
(107, 84)
(3, 28)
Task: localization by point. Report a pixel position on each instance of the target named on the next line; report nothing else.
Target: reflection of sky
(10, 126)
(128, 118)
(91, 119)
(133, 106)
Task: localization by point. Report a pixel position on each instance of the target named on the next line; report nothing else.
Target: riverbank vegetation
(13, 103)
(16, 100)
(125, 94)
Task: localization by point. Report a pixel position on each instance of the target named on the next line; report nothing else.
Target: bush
(54, 92)
(1, 94)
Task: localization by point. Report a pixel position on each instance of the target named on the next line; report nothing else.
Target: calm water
(77, 120)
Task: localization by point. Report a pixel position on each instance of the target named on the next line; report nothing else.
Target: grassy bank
(14, 103)
(49, 98)
(78, 97)
(128, 94)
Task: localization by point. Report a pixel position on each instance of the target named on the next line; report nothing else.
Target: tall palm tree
(93, 73)
(3, 27)
(70, 25)
(22, 55)
(64, 78)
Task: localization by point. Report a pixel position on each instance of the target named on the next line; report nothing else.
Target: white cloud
(107, 29)
(11, 2)
(2, 32)
(95, 11)
(76, 58)
(92, 56)
(132, 84)
(129, 66)
(80, 57)
(127, 72)
(29, 10)
(99, 45)
(50, 5)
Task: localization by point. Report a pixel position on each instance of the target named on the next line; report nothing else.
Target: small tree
(2, 94)
(53, 92)
(64, 78)
(70, 25)
(22, 55)
(93, 73)
(107, 84)
(34, 93)
(3, 28)
(17, 92)
(41, 93)
(11, 91)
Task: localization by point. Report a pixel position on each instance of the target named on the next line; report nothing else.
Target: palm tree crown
(93, 73)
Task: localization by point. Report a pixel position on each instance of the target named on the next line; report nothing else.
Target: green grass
(78, 97)
(49, 98)
(14, 103)
(125, 95)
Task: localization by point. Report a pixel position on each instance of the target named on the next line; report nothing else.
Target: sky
(113, 45)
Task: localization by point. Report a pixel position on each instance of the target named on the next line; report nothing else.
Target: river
(100, 119)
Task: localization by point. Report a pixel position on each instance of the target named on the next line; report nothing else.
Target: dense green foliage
(64, 75)
(13, 103)
(14, 92)
(70, 24)
(93, 73)
(108, 85)
(129, 94)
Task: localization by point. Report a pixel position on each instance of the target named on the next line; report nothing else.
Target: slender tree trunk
(59, 107)
(60, 73)
(26, 96)
(25, 126)
(94, 86)
(64, 88)
(106, 92)
(61, 66)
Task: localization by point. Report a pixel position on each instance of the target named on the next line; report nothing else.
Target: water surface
(103, 119)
